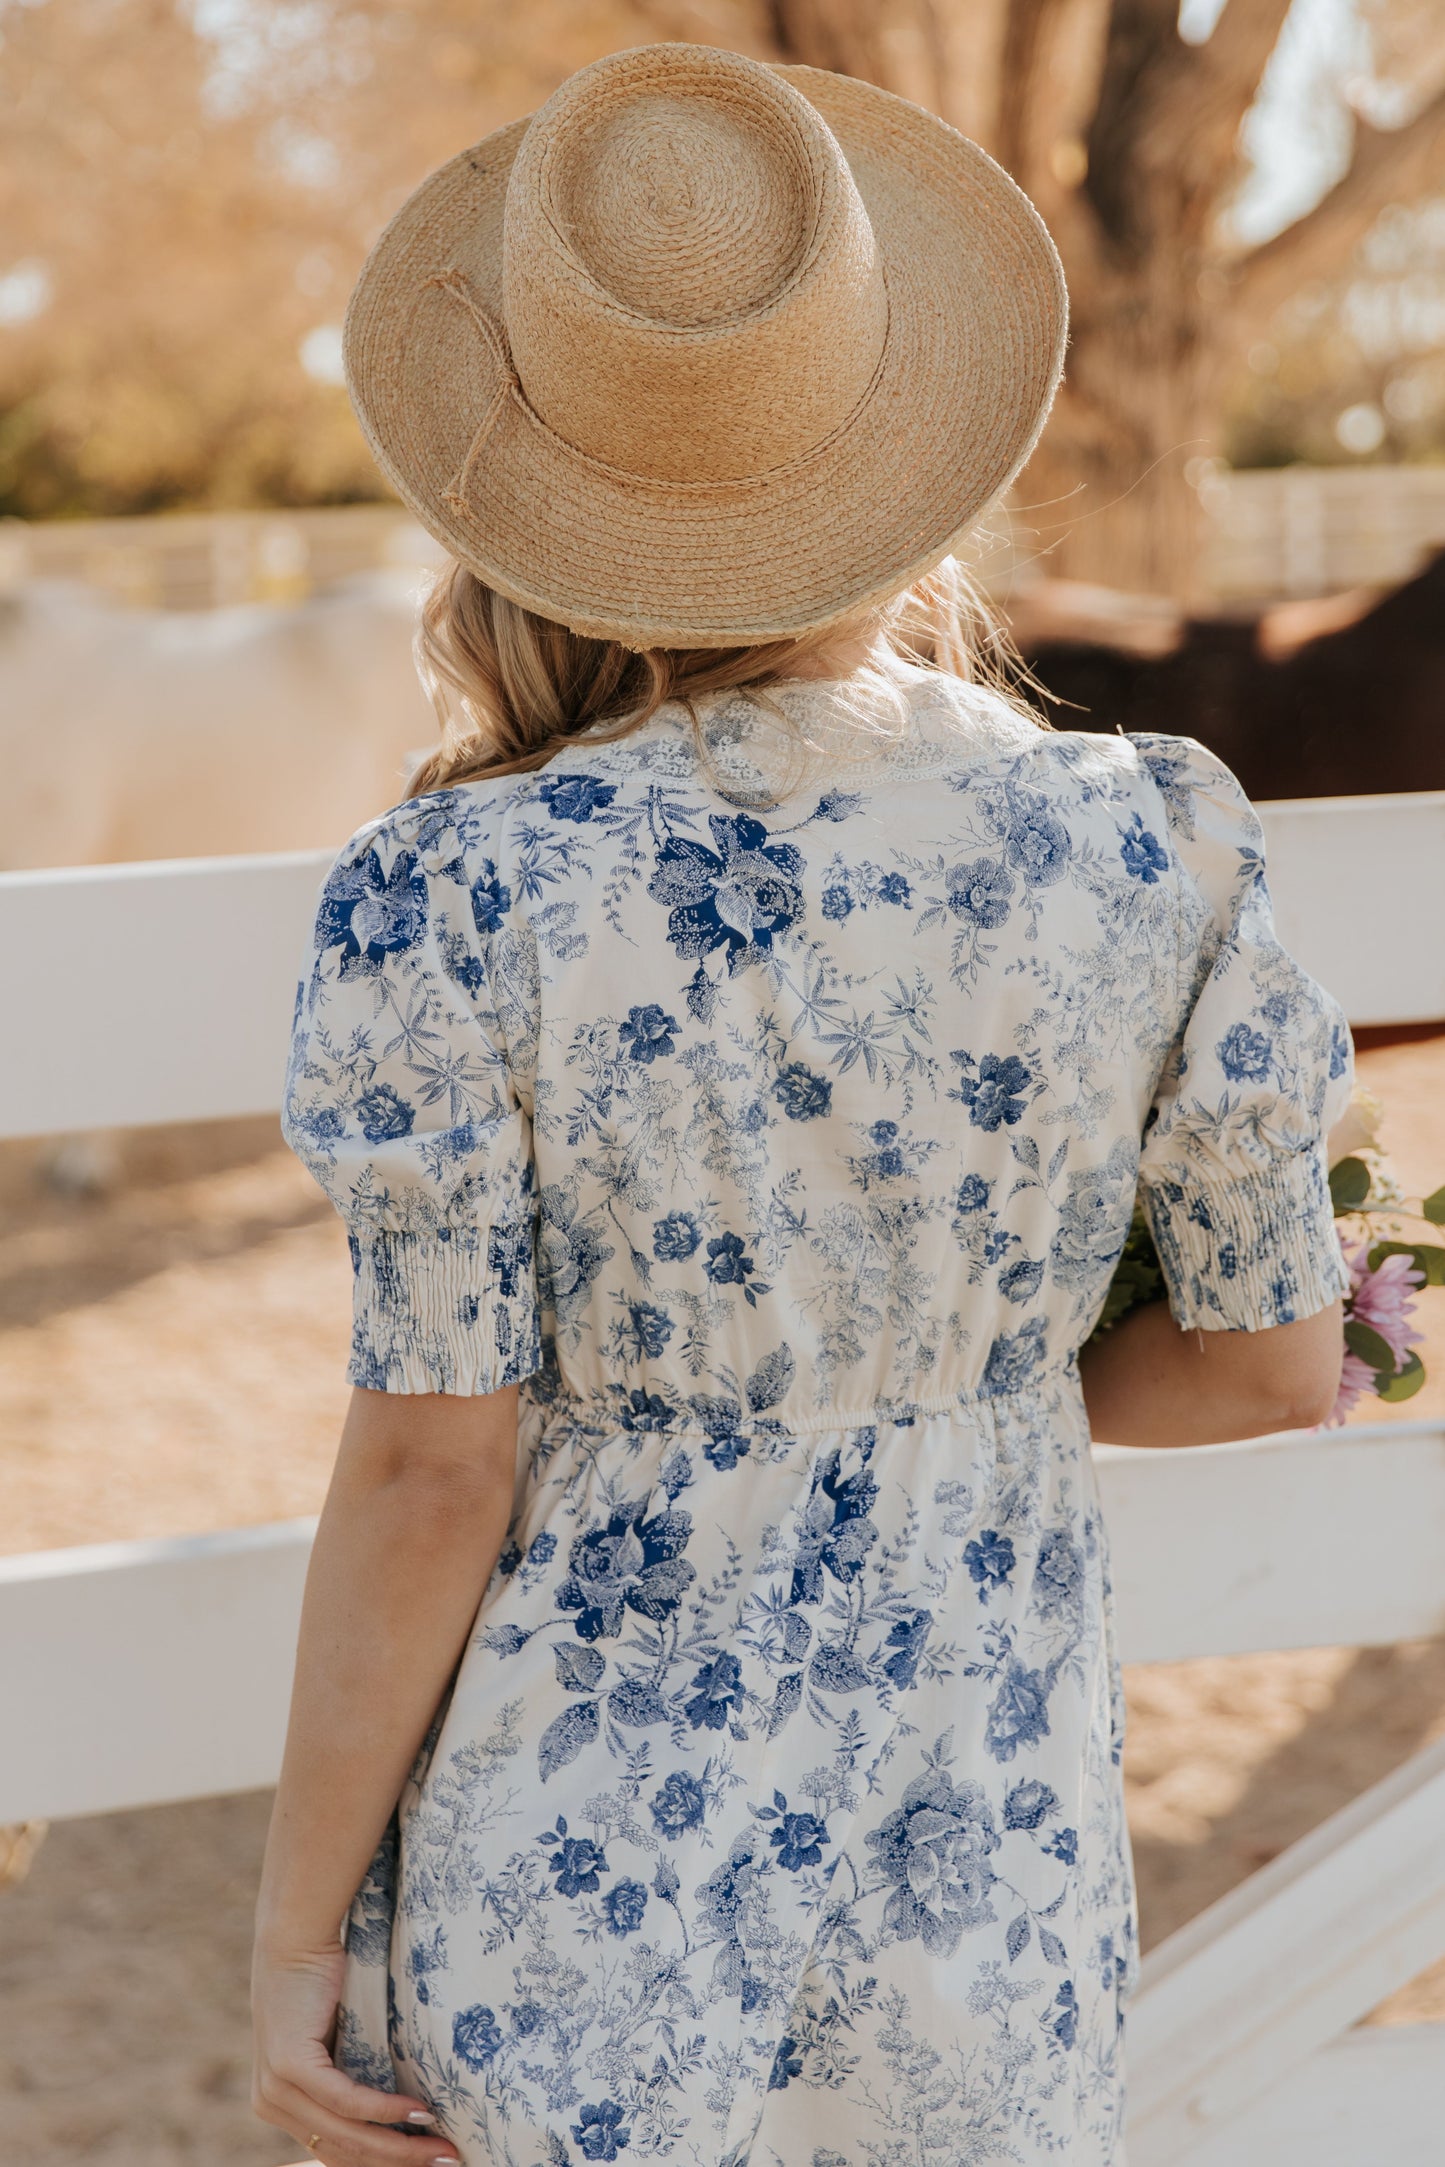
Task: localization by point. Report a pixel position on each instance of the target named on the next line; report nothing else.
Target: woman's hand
(413, 1525)
(296, 2086)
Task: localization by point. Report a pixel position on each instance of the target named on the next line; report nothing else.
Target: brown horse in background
(1323, 698)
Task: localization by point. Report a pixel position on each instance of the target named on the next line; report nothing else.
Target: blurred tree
(187, 188)
(1129, 140)
(1353, 365)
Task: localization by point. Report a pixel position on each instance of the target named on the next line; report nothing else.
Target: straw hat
(706, 352)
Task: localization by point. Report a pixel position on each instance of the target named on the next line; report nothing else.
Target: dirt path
(170, 1360)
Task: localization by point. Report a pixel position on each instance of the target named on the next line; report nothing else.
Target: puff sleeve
(1233, 1171)
(401, 1101)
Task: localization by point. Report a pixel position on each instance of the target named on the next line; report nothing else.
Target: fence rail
(152, 1672)
(1296, 531)
(206, 560)
(1294, 1542)
(1290, 531)
(190, 963)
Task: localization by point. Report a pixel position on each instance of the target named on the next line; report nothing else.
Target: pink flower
(1383, 1299)
(1356, 1378)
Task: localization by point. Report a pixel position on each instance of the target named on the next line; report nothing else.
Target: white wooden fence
(136, 1673)
(1269, 533)
(1298, 530)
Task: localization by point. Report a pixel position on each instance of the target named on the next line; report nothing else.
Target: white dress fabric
(783, 1152)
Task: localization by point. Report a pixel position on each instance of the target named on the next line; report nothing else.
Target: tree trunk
(1125, 138)
(1105, 497)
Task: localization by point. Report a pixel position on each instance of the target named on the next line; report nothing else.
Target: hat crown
(691, 286)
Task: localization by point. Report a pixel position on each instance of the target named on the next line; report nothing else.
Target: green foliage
(1137, 1278)
(1390, 1383)
(177, 448)
(1362, 1339)
(1349, 1185)
(1428, 1258)
(1433, 1207)
(1405, 1382)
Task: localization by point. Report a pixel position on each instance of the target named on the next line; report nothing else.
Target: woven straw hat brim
(977, 317)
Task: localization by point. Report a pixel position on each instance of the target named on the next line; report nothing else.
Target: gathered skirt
(774, 1814)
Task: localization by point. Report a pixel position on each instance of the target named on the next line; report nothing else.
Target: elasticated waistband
(645, 1412)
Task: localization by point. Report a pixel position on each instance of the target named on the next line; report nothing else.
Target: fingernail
(420, 2114)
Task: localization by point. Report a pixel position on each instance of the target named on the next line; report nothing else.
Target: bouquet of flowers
(1386, 1263)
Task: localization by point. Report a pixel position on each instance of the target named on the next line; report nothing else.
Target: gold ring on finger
(313, 2141)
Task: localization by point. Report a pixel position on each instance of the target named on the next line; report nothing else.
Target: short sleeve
(1233, 1173)
(400, 1100)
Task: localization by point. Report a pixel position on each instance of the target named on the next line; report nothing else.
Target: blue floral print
(383, 1115)
(1035, 841)
(476, 2036)
(980, 891)
(678, 1804)
(934, 1849)
(738, 897)
(1027, 1804)
(726, 1264)
(648, 1032)
(675, 1238)
(576, 797)
(990, 1560)
(1244, 1055)
(370, 913)
(800, 1837)
(629, 1563)
(577, 1866)
(780, 1149)
(994, 1093)
(601, 2132)
(491, 900)
(1021, 1280)
(802, 1094)
(1019, 1712)
(625, 1908)
(1143, 853)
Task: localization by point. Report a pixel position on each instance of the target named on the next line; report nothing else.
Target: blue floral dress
(782, 1150)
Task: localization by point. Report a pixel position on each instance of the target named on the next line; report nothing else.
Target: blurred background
(1234, 527)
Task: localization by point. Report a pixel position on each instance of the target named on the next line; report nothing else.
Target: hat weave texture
(707, 352)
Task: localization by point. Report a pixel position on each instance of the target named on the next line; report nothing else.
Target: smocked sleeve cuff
(1244, 1252)
(451, 1310)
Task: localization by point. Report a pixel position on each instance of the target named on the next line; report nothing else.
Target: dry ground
(170, 1360)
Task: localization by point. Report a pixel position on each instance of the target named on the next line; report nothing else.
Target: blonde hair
(512, 689)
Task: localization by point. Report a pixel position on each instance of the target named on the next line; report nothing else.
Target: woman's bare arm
(1146, 1382)
(413, 1524)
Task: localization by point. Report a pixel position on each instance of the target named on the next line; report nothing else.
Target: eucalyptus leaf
(1406, 1381)
(1349, 1185)
(1433, 1207)
(1429, 1258)
(1366, 1342)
